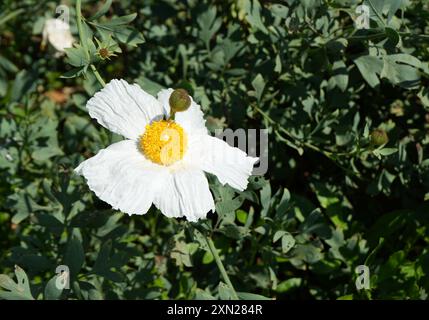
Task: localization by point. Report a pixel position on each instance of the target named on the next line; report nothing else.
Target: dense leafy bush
(348, 177)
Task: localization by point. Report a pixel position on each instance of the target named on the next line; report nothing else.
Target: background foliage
(332, 199)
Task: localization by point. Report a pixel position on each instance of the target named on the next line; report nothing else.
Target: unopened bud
(379, 137)
(179, 100)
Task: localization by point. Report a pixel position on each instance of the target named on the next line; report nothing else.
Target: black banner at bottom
(180, 309)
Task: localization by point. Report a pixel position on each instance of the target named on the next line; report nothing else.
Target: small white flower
(57, 32)
(148, 167)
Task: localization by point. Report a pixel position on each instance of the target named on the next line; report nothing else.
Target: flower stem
(97, 75)
(84, 43)
(80, 29)
(221, 267)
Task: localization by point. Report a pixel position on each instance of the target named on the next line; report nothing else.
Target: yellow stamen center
(164, 142)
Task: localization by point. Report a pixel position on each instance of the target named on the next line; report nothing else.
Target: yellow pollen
(164, 142)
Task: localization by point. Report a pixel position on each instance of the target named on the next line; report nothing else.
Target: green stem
(330, 155)
(367, 37)
(270, 120)
(172, 115)
(9, 16)
(408, 34)
(84, 43)
(80, 29)
(221, 267)
(97, 75)
(290, 136)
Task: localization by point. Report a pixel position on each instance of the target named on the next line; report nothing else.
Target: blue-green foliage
(332, 198)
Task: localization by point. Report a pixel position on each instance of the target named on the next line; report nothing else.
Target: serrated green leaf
(102, 11)
(16, 291)
(370, 68)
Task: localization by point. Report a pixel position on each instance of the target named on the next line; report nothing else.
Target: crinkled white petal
(192, 120)
(57, 32)
(213, 155)
(124, 109)
(121, 176)
(186, 193)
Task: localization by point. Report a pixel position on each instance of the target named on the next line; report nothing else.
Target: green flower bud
(179, 100)
(378, 137)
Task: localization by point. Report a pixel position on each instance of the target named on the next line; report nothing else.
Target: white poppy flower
(58, 33)
(132, 174)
